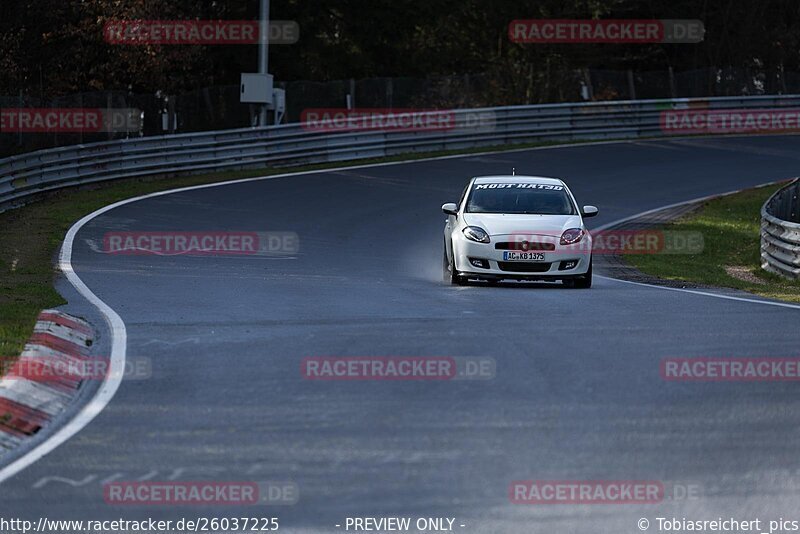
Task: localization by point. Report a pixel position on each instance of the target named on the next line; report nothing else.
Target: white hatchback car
(519, 228)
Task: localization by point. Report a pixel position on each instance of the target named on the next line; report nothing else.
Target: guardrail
(780, 232)
(24, 176)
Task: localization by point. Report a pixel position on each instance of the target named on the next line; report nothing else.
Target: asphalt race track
(577, 393)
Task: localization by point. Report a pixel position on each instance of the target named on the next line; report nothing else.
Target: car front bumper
(484, 261)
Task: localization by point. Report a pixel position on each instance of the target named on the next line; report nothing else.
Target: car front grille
(523, 267)
(523, 245)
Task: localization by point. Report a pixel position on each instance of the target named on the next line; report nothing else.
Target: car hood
(507, 224)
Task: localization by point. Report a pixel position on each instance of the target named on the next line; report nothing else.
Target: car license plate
(512, 255)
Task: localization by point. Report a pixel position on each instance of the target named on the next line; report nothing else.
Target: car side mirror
(589, 211)
(450, 208)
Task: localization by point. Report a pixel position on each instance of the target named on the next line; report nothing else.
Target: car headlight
(475, 233)
(572, 236)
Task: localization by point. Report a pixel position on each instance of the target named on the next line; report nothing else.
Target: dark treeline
(55, 47)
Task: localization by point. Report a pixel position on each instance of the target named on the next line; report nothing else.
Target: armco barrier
(780, 232)
(25, 175)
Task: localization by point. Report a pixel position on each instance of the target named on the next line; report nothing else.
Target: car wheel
(449, 270)
(445, 265)
(584, 281)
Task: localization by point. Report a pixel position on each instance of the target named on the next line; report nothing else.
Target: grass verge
(730, 227)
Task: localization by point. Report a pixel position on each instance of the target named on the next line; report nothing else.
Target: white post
(263, 53)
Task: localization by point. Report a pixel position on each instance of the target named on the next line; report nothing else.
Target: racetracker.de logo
(398, 368)
(69, 120)
(564, 31)
(176, 493)
(586, 492)
(634, 241)
(704, 121)
(730, 369)
(197, 32)
(60, 369)
(200, 243)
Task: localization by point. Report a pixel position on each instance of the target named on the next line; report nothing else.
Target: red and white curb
(30, 397)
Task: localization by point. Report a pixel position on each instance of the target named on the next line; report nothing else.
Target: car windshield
(535, 199)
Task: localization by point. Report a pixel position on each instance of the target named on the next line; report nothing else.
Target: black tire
(445, 265)
(584, 281)
(449, 270)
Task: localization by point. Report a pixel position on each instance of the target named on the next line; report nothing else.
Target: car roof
(517, 179)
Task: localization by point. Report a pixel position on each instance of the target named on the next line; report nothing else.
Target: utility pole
(257, 88)
(263, 53)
